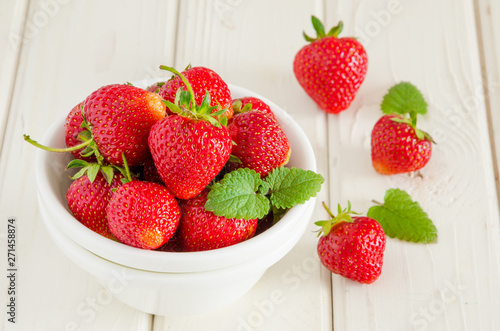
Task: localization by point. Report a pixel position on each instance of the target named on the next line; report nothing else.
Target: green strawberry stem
(412, 121)
(184, 80)
(57, 150)
(320, 30)
(185, 104)
(343, 216)
(128, 177)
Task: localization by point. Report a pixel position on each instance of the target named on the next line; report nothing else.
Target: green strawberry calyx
(412, 121)
(320, 30)
(343, 216)
(238, 107)
(185, 104)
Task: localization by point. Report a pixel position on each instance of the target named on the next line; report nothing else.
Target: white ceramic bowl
(171, 283)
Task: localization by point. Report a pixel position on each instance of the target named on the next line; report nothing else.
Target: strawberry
(331, 69)
(397, 145)
(149, 172)
(245, 104)
(143, 214)
(72, 129)
(87, 200)
(119, 117)
(396, 148)
(352, 247)
(201, 230)
(260, 144)
(202, 80)
(191, 148)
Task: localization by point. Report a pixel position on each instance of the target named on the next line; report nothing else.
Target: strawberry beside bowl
(166, 283)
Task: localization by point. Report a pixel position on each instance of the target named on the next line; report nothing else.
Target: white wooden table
(55, 52)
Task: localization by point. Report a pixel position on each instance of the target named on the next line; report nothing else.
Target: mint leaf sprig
(243, 194)
(403, 218)
(406, 101)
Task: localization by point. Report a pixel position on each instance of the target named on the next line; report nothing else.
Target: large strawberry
(87, 200)
(259, 142)
(352, 247)
(202, 80)
(397, 145)
(143, 214)
(331, 69)
(191, 148)
(201, 230)
(396, 148)
(119, 117)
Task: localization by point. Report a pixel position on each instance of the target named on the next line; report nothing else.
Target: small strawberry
(397, 145)
(191, 148)
(201, 230)
(259, 142)
(331, 69)
(150, 173)
(245, 104)
(352, 247)
(73, 130)
(119, 117)
(143, 214)
(87, 200)
(202, 80)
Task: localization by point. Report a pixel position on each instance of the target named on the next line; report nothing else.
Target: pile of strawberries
(148, 156)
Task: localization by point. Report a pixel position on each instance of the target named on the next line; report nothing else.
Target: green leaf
(403, 218)
(235, 196)
(404, 98)
(318, 26)
(77, 163)
(293, 186)
(93, 171)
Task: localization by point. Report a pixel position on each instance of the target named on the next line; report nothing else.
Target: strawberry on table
(201, 230)
(143, 214)
(88, 198)
(119, 117)
(331, 69)
(202, 80)
(352, 247)
(259, 142)
(397, 145)
(190, 148)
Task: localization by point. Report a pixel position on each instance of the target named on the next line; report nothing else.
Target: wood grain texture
(77, 47)
(433, 287)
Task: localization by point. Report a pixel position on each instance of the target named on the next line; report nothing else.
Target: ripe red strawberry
(143, 214)
(201, 230)
(245, 104)
(150, 173)
(119, 117)
(202, 80)
(331, 69)
(191, 148)
(352, 247)
(396, 147)
(188, 153)
(88, 200)
(260, 144)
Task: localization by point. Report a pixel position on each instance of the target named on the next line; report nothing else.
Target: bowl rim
(173, 262)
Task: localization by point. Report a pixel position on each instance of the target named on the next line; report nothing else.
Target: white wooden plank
(488, 22)
(440, 286)
(12, 17)
(252, 44)
(80, 46)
